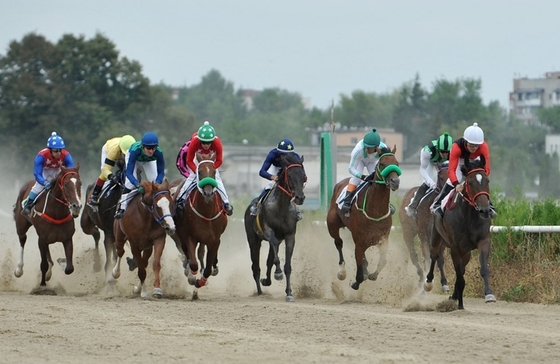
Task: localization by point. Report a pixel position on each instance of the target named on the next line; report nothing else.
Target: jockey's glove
(47, 185)
(111, 177)
(141, 189)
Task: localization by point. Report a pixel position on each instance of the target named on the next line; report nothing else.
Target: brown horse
(276, 222)
(146, 221)
(370, 217)
(419, 225)
(465, 226)
(103, 216)
(203, 221)
(53, 218)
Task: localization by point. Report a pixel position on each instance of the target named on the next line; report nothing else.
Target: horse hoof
(372, 276)
(290, 299)
(428, 286)
(144, 294)
(116, 273)
(158, 293)
(62, 263)
(192, 280)
(355, 286)
(490, 298)
(136, 289)
(194, 295)
(445, 288)
(278, 276)
(215, 271)
(341, 275)
(18, 272)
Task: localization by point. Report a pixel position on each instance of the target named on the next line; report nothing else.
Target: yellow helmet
(125, 143)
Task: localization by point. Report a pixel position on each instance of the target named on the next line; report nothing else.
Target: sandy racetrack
(90, 321)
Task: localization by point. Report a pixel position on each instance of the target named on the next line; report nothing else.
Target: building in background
(531, 94)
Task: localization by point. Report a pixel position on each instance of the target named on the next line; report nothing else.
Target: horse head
(206, 173)
(70, 186)
(292, 179)
(442, 174)
(388, 170)
(160, 203)
(477, 186)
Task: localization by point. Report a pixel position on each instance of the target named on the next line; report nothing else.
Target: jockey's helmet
(473, 134)
(55, 142)
(372, 139)
(285, 146)
(206, 133)
(444, 142)
(150, 139)
(125, 143)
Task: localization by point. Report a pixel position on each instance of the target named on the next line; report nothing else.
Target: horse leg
(110, 252)
(290, 243)
(141, 258)
(360, 255)
(460, 264)
(269, 262)
(22, 226)
(338, 243)
(435, 248)
(44, 251)
(383, 249)
(200, 252)
(274, 246)
(255, 250)
(408, 237)
(210, 257)
(193, 261)
(120, 239)
(156, 266)
(215, 269)
(66, 263)
(440, 264)
(484, 252)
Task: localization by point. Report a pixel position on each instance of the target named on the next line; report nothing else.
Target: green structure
(328, 168)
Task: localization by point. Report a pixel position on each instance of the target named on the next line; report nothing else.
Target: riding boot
(255, 206)
(347, 205)
(436, 206)
(28, 205)
(413, 205)
(123, 203)
(94, 198)
(228, 208)
(493, 213)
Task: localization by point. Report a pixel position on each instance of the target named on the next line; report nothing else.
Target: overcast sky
(320, 49)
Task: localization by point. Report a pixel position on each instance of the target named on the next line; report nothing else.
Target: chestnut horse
(419, 225)
(370, 217)
(465, 226)
(147, 219)
(103, 216)
(53, 218)
(203, 221)
(276, 221)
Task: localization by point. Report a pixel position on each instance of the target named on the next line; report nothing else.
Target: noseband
(153, 210)
(65, 200)
(381, 174)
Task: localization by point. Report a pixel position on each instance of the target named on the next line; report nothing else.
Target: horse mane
(383, 150)
(290, 158)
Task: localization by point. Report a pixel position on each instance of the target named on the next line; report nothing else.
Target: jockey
(143, 155)
(270, 170)
(47, 166)
(205, 141)
(471, 146)
(437, 151)
(110, 153)
(365, 154)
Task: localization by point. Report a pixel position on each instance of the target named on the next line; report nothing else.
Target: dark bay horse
(53, 218)
(102, 217)
(370, 218)
(202, 222)
(465, 226)
(276, 222)
(145, 223)
(420, 224)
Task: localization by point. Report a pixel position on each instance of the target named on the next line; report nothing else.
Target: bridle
(152, 208)
(288, 190)
(381, 175)
(65, 201)
(467, 196)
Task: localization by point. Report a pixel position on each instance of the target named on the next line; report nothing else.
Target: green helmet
(444, 142)
(206, 133)
(372, 139)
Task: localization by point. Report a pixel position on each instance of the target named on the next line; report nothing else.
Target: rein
(287, 190)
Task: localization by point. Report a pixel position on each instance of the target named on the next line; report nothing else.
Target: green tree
(551, 118)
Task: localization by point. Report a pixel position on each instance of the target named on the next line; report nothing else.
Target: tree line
(83, 89)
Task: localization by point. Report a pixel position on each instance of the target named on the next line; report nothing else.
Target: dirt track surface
(386, 321)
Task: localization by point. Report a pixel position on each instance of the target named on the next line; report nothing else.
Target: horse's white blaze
(164, 205)
(75, 183)
(18, 272)
(479, 178)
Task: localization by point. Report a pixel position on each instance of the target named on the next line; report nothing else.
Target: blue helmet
(150, 139)
(285, 146)
(55, 142)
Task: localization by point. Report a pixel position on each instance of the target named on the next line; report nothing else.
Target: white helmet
(473, 134)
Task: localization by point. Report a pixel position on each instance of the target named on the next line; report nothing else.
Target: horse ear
(301, 160)
(394, 149)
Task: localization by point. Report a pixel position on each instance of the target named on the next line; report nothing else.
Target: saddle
(342, 195)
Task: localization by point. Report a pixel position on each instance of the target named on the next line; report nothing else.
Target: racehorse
(370, 217)
(419, 225)
(146, 221)
(203, 221)
(53, 218)
(465, 226)
(103, 216)
(276, 222)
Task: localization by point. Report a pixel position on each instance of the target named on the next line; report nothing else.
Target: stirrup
(229, 209)
(410, 211)
(253, 210)
(119, 214)
(299, 216)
